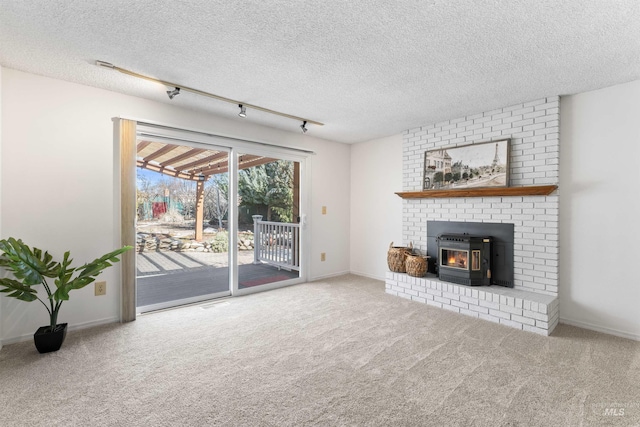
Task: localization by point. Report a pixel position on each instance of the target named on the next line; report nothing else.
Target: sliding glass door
(269, 233)
(182, 229)
(214, 217)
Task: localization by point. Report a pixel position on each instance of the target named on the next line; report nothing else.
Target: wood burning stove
(496, 256)
(465, 259)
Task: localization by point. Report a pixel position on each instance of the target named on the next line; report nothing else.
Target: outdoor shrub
(220, 243)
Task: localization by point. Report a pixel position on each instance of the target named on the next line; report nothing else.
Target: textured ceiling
(366, 69)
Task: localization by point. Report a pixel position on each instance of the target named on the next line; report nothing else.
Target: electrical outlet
(323, 256)
(101, 288)
(324, 210)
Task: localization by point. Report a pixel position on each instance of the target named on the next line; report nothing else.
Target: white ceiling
(366, 69)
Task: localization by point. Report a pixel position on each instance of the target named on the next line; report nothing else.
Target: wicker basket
(396, 257)
(416, 265)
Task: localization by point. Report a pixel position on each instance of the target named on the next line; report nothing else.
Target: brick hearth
(512, 307)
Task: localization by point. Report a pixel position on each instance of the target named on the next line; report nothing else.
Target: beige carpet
(333, 352)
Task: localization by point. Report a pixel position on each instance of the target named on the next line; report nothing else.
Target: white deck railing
(276, 243)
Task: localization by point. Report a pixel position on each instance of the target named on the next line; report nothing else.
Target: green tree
(252, 187)
(268, 187)
(280, 193)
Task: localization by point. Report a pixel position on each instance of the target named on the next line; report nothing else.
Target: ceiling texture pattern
(366, 69)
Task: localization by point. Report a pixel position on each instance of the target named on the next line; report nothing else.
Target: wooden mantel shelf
(537, 190)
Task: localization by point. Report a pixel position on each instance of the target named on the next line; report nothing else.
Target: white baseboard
(74, 327)
(599, 328)
(327, 276)
(370, 276)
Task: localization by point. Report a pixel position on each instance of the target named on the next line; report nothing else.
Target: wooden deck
(170, 276)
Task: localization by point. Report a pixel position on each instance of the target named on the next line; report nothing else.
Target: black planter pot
(47, 341)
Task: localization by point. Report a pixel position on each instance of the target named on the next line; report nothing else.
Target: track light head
(173, 93)
(243, 111)
(303, 126)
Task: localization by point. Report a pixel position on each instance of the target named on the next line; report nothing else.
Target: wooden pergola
(194, 164)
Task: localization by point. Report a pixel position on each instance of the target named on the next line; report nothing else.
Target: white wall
(57, 183)
(599, 209)
(376, 212)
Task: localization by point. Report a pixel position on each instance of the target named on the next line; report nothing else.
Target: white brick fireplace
(533, 128)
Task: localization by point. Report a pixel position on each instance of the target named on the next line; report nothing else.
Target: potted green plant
(32, 267)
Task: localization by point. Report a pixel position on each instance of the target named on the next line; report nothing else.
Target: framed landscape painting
(476, 165)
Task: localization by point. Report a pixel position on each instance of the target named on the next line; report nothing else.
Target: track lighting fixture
(176, 91)
(173, 93)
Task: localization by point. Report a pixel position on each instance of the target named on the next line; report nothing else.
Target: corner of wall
(598, 209)
(376, 212)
